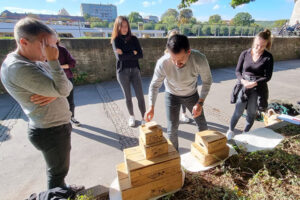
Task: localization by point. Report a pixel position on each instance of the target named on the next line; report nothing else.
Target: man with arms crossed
(41, 89)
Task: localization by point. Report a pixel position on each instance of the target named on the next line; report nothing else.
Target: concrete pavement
(97, 145)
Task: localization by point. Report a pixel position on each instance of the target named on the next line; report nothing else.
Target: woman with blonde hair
(253, 71)
(128, 51)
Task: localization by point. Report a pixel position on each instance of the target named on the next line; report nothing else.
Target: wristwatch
(200, 103)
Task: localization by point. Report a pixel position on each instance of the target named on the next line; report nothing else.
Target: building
(63, 12)
(150, 18)
(296, 13)
(106, 12)
(7, 16)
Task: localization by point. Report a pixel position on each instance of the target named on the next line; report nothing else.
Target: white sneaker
(185, 118)
(131, 121)
(229, 134)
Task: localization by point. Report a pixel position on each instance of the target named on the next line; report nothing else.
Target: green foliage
(169, 20)
(197, 29)
(224, 31)
(94, 19)
(214, 19)
(242, 19)
(280, 23)
(186, 13)
(111, 25)
(170, 12)
(160, 27)
(149, 26)
(135, 17)
(103, 24)
(235, 3)
(133, 26)
(206, 30)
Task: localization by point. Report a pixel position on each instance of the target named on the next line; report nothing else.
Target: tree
(186, 29)
(280, 23)
(172, 27)
(86, 17)
(214, 19)
(133, 26)
(206, 30)
(169, 20)
(149, 26)
(224, 30)
(111, 25)
(170, 12)
(193, 20)
(215, 30)
(242, 19)
(135, 17)
(94, 19)
(160, 27)
(196, 29)
(186, 13)
(103, 24)
(232, 30)
(233, 3)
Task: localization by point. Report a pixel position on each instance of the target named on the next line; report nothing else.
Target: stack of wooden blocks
(150, 169)
(210, 147)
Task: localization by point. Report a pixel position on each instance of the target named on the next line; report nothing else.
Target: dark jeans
(71, 99)
(183, 109)
(240, 106)
(173, 104)
(132, 76)
(55, 144)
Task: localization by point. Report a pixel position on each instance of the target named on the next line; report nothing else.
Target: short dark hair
(177, 43)
(29, 28)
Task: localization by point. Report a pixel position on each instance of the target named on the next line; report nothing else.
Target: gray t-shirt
(23, 78)
(181, 81)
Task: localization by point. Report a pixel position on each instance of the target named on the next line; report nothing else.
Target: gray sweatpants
(132, 76)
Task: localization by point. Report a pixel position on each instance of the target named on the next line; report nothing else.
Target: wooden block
(152, 124)
(151, 136)
(141, 170)
(211, 141)
(149, 190)
(154, 150)
(209, 159)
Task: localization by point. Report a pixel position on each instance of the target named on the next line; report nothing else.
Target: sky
(259, 9)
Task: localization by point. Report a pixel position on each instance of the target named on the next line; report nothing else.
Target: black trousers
(71, 99)
(55, 145)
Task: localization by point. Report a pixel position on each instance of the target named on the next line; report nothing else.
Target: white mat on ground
(115, 193)
(258, 139)
(192, 164)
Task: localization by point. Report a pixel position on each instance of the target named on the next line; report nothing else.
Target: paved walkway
(97, 145)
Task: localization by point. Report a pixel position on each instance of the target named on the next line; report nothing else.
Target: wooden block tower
(210, 147)
(150, 169)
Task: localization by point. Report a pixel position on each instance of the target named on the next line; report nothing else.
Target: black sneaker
(75, 122)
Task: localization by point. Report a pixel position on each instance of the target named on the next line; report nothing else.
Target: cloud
(241, 6)
(51, 1)
(216, 7)
(201, 2)
(120, 2)
(27, 10)
(148, 3)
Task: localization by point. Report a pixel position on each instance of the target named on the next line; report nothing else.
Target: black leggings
(132, 76)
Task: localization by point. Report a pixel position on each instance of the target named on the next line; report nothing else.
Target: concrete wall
(96, 61)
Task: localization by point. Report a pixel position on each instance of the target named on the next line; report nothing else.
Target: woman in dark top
(253, 71)
(67, 62)
(128, 51)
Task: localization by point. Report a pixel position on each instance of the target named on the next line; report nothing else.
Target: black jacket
(127, 59)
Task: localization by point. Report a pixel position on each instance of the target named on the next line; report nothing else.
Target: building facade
(106, 12)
